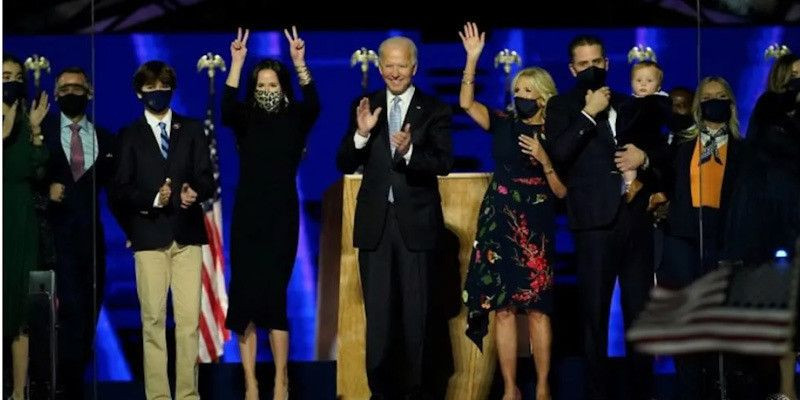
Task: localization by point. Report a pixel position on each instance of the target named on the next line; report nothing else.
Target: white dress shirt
(153, 121)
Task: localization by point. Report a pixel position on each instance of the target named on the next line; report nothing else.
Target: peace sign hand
(297, 47)
(239, 47)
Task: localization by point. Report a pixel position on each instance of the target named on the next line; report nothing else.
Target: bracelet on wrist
(303, 74)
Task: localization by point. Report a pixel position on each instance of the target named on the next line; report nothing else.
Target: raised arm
(238, 55)
(310, 106)
(473, 45)
(232, 112)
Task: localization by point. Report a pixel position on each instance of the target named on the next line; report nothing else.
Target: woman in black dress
(511, 268)
(764, 215)
(764, 207)
(271, 130)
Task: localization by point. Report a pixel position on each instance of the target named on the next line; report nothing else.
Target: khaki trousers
(175, 268)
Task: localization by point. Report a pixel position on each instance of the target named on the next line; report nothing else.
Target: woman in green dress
(23, 163)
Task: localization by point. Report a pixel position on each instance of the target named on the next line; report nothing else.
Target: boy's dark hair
(153, 71)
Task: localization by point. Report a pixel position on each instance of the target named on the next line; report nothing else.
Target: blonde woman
(511, 266)
(710, 149)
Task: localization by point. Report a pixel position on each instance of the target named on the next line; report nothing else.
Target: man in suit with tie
(401, 136)
(613, 238)
(80, 166)
(164, 173)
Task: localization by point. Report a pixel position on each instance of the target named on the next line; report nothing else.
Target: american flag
(214, 297)
(736, 308)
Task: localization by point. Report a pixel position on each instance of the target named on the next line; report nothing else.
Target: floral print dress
(511, 257)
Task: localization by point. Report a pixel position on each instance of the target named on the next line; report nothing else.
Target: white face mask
(269, 101)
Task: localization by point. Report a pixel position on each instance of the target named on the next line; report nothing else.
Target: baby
(646, 113)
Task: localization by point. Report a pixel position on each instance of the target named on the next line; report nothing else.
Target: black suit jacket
(584, 154)
(415, 186)
(79, 210)
(142, 170)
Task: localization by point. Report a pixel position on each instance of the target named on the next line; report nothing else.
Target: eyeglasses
(72, 89)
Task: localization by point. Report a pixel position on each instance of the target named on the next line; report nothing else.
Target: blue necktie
(395, 120)
(164, 140)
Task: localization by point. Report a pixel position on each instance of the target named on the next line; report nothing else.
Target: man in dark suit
(163, 175)
(81, 165)
(613, 238)
(401, 137)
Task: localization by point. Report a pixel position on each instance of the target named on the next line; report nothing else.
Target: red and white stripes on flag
(214, 296)
(704, 316)
(214, 300)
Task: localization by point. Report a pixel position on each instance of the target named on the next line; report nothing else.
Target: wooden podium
(340, 285)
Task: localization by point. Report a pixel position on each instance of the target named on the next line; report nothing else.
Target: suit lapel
(104, 150)
(383, 120)
(55, 146)
(149, 138)
(683, 165)
(175, 134)
(415, 111)
(102, 146)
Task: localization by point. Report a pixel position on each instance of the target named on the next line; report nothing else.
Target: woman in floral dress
(511, 270)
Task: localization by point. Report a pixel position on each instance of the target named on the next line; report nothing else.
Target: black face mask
(680, 122)
(592, 78)
(13, 91)
(716, 110)
(789, 98)
(73, 105)
(793, 85)
(157, 101)
(526, 108)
